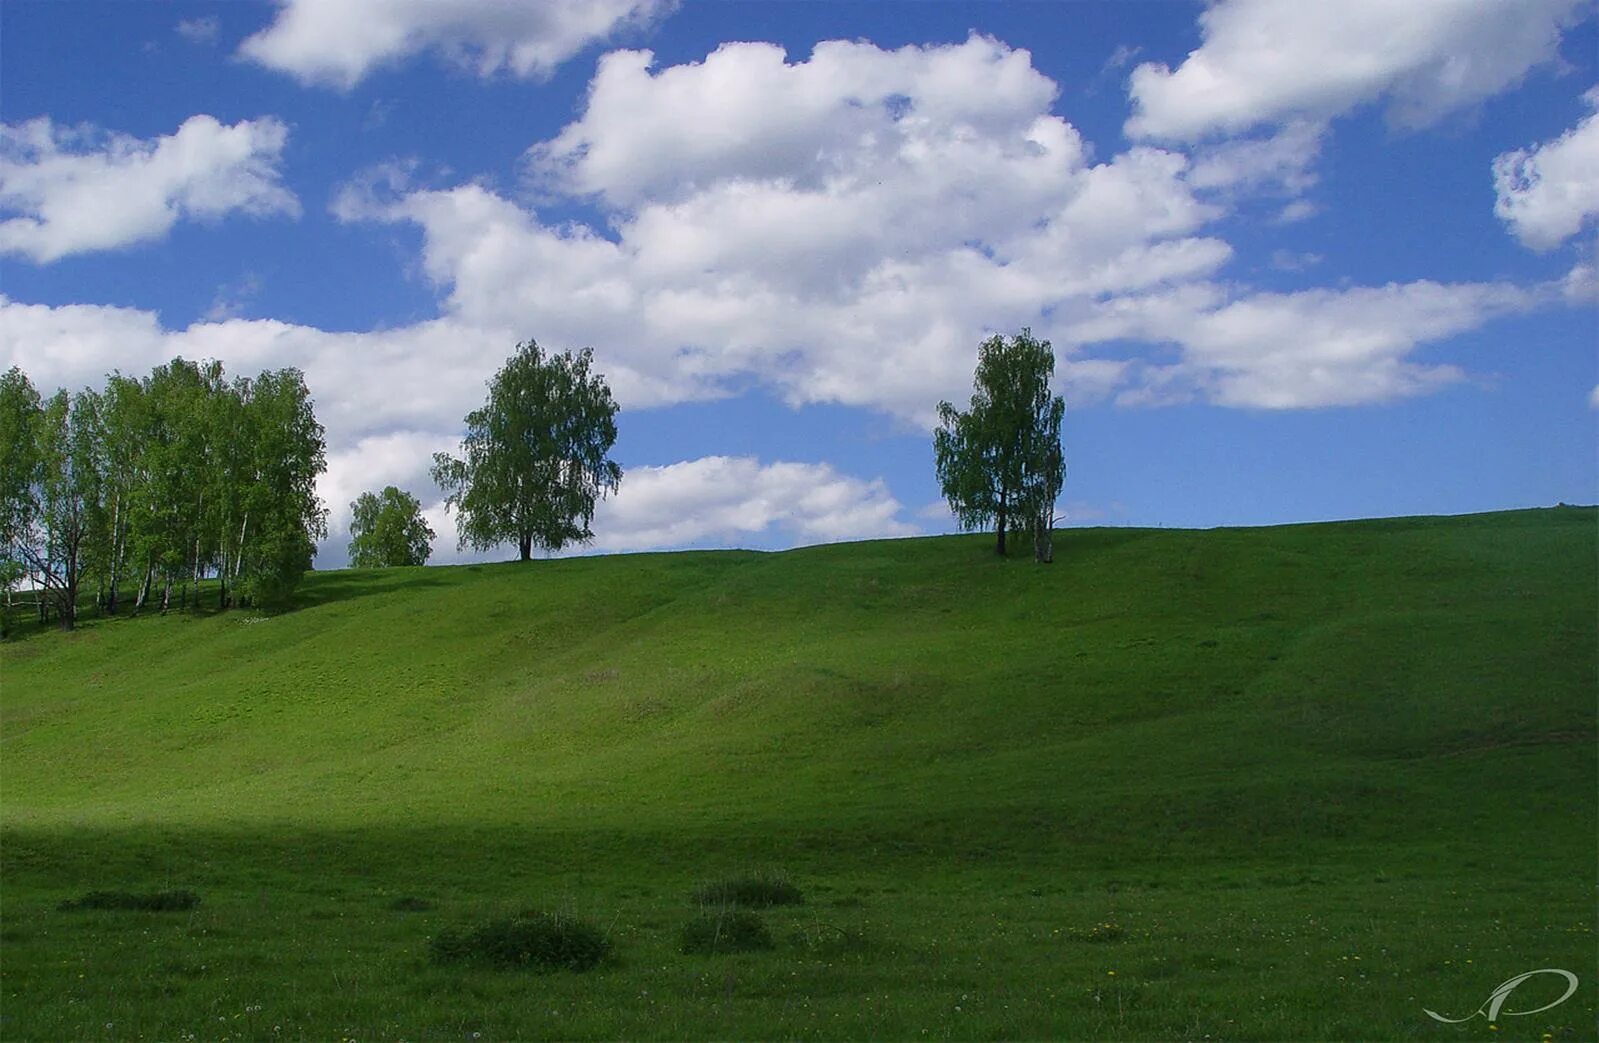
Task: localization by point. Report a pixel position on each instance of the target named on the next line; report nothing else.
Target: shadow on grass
(325, 588)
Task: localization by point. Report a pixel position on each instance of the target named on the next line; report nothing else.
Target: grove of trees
(388, 529)
(1000, 462)
(148, 486)
(534, 460)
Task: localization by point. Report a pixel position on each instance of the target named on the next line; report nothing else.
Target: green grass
(1317, 777)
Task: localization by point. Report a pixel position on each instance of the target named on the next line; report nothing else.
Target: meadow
(1239, 784)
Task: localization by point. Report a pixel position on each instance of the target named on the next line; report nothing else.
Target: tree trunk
(144, 588)
(166, 594)
(67, 599)
(198, 572)
(116, 556)
(1043, 540)
(525, 545)
(999, 547)
(238, 553)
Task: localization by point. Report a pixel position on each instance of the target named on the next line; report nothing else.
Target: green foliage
(388, 529)
(535, 455)
(724, 931)
(144, 902)
(167, 480)
(551, 941)
(1000, 462)
(752, 892)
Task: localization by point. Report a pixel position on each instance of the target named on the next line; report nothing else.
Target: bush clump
(725, 931)
(750, 892)
(149, 902)
(552, 941)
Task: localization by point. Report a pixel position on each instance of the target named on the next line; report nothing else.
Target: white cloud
(1311, 349)
(724, 500)
(1581, 285)
(1266, 61)
(1281, 160)
(842, 229)
(1297, 211)
(1593, 397)
(1547, 193)
(339, 42)
(74, 190)
(1290, 261)
(199, 30)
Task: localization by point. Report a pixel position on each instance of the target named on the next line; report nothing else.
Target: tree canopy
(1000, 462)
(388, 529)
(170, 479)
(534, 460)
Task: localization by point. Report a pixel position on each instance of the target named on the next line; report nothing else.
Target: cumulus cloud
(1268, 61)
(339, 42)
(1581, 285)
(722, 500)
(842, 229)
(69, 190)
(1547, 193)
(1311, 349)
(856, 253)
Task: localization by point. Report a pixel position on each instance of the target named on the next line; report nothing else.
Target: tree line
(148, 486)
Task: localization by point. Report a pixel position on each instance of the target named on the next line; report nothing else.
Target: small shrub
(152, 902)
(750, 892)
(1103, 932)
(410, 904)
(532, 939)
(725, 931)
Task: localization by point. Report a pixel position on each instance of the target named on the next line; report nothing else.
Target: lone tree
(535, 460)
(388, 529)
(1000, 462)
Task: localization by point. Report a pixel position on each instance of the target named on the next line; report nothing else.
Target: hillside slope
(1384, 695)
(868, 681)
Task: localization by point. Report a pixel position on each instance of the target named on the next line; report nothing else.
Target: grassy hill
(1316, 777)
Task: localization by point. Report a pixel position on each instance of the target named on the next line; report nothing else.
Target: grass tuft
(750, 892)
(552, 941)
(411, 904)
(1104, 932)
(150, 902)
(725, 931)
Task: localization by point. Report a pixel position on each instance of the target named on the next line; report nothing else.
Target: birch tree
(1000, 461)
(534, 460)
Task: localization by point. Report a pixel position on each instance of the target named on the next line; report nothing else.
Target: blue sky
(1289, 274)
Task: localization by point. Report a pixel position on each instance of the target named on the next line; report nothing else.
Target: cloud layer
(843, 228)
(70, 190)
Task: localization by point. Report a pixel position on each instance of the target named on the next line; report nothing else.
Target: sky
(1296, 261)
